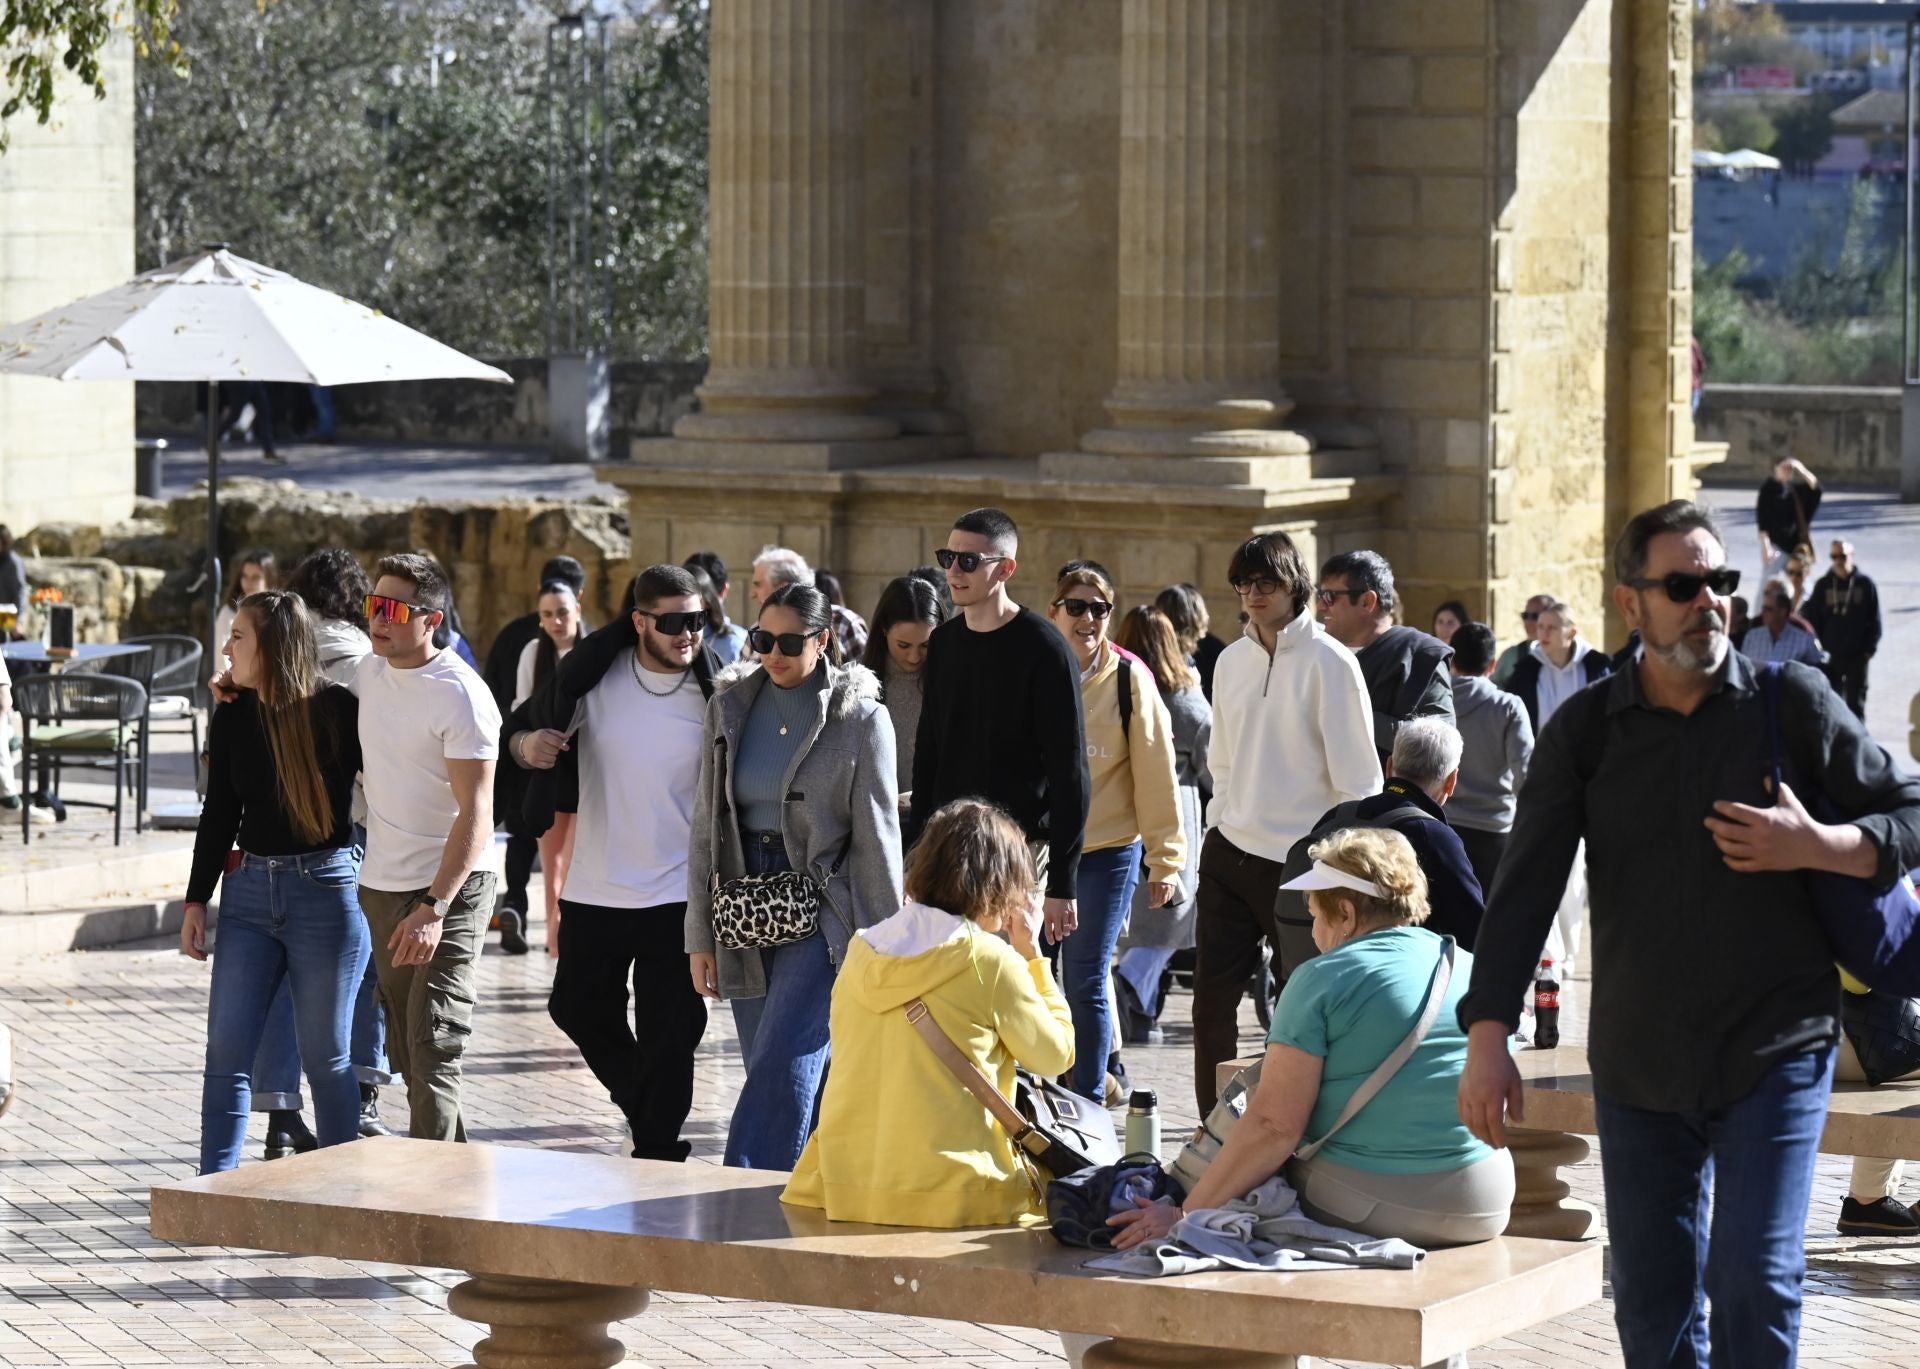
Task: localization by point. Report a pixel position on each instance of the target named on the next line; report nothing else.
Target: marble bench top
(1882, 1122)
(697, 1228)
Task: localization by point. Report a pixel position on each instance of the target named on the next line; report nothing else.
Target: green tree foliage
(41, 39)
(1729, 34)
(1735, 125)
(1805, 133)
(398, 154)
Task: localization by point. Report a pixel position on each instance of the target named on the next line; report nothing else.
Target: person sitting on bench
(1402, 1164)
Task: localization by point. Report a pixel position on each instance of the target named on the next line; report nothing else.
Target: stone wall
(647, 397)
(1848, 435)
(66, 230)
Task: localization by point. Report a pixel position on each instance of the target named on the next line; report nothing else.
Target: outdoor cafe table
(33, 655)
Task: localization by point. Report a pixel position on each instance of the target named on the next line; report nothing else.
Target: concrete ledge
(83, 929)
(1801, 398)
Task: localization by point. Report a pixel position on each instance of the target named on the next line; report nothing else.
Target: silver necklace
(639, 678)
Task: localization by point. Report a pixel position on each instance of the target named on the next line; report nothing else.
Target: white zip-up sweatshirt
(1292, 737)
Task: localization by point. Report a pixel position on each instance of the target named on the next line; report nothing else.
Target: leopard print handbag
(759, 911)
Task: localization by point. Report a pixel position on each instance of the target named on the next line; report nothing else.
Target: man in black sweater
(1845, 612)
(1405, 669)
(1001, 717)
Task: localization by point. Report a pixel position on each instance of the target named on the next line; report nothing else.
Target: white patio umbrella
(1747, 159)
(217, 317)
(1707, 157)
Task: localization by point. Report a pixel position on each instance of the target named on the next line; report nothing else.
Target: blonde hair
(1384, 859)
(1083, 574)
(971, 861)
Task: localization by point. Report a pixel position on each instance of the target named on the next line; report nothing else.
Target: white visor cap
(1325, 876)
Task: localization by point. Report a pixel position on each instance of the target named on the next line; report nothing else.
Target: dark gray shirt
(1702, 977)
(1407, 677)
(13, 580)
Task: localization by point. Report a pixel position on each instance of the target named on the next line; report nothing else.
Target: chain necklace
(639, 678)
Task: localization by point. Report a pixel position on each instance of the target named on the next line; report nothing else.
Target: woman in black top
(280, 787)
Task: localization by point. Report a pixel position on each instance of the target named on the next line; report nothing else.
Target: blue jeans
(783, 1039)
(1746, 1250)
(292, 918)
(1105, 894)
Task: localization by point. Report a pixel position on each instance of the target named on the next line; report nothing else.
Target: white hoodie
(1292, 736)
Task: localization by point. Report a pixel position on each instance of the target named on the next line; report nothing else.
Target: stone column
(1199, 213)
(787, 202)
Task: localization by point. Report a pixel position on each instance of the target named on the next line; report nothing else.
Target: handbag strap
(1383, 1075)
(1770, 693)
(974, 1079)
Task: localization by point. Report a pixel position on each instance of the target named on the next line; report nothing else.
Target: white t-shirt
(639, 757)
(523, 671)
(412, 722)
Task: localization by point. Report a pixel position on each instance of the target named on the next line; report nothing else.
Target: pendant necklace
(639, 678)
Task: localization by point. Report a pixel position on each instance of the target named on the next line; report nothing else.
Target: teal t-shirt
(1351, 1007)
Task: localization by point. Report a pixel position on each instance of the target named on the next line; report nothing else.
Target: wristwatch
(438, 905)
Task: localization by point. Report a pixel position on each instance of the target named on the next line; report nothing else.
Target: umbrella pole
(215, 585)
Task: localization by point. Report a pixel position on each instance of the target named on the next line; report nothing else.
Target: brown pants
(430, 1007)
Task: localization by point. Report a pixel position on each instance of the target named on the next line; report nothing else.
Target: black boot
(513, 930)
(370, 1123)
(287, 1134)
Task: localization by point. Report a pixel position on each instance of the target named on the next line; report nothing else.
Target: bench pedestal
(538, 1324)
(1543, 1204)
(1086, 1352)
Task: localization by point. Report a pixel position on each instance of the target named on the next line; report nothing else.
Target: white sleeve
(471, 731)
(1346, 725)
(523, 672)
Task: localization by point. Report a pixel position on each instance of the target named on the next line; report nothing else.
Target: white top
(639, 758)
(523, 672)
(1292, 736)
(412, 722)
(1558, 683)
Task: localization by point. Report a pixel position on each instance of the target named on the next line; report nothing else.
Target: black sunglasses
(677, 624)
(1684, 589)
(1262, 586)
(790, 643)
(1531, 615)
(1080, 608)
(1327, 596)
(968, 561)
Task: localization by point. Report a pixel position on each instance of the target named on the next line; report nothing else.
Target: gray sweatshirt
(1497, 744)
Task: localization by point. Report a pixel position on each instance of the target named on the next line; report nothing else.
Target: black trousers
(1233, 911)
(647, 1068)
(521, 851)
(1484, 850)
(1848, 675)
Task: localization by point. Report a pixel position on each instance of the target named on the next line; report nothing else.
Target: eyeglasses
(1684, 589)
(393, 610)
(677, 624)
(790, 643)
(1531, 615)
(1260, 585)
(1328, 596)
(1080, 608)
(968, 561)
(1841, 555)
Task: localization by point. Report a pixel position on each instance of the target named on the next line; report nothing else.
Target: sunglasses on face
(1080, 608)
(1261, 586)
(393, 610)
(1684, 589)
(1531, 615)
(677, 624)
(1328, 597)
(968, 561)
(790, 643)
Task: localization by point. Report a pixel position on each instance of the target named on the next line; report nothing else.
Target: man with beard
(614, 735)
(1715, 1002)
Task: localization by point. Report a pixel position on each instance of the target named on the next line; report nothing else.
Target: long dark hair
(909, 599)
(546, 655)
(815, 610)
(261, 558)
(288, 674)
(710, 599)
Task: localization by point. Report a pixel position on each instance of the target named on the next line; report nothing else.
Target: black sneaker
(370, 1123)
(287, 1134)
(1886, 1217)
(513, 931)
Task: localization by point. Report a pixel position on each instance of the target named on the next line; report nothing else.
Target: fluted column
(786, 266)
(1199, 323)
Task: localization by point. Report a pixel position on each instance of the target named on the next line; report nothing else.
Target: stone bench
(558, 1245)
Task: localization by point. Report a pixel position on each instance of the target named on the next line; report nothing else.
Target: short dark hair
(332, 583)
(566, 570)
(1473, 648)
(1363, 570)
(430, 589)
(663, 581)
(829, 584)
(710, 562)
(1001, 532)
(1681, 515)
(1456, 608)
(1273, 556)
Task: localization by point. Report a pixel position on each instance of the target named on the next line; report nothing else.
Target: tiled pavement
(109, 1051)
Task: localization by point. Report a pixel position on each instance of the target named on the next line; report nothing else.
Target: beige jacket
(1136, 795)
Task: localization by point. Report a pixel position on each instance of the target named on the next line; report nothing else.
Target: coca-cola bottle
(1546, 1006)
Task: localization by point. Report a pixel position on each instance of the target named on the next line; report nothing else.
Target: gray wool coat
(841, 798)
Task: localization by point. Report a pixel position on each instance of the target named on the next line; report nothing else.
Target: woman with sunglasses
(284, 754)
(1135, 803)
(797, 774)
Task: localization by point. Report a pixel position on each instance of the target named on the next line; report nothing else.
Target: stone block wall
(1847, 435)
(66, 230)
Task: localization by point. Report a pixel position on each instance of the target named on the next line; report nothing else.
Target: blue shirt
(1793, 644)
(1351, 1007)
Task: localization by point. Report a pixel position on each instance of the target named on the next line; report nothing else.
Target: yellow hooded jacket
(901, 1142)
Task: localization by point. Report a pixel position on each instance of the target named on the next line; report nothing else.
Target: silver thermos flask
(1143, 1123)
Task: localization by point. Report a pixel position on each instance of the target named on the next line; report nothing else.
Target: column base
(1264, 472)
(1242, 443)
(1543, 1205)
(792, 457)
(539, 1324)
(781, 425)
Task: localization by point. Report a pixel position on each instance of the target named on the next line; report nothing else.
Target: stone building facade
(1154, 274)
(66, 230)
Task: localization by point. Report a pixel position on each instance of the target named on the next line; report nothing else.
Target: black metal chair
(80, 721)
(176, 695)
(137, 666)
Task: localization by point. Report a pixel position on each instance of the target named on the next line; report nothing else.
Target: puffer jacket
(842, 801)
